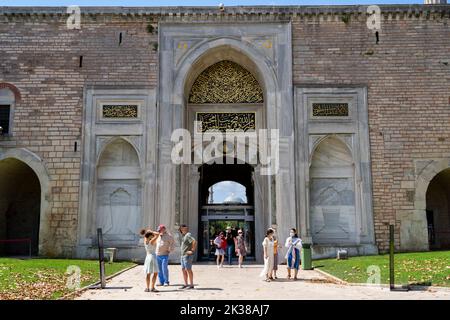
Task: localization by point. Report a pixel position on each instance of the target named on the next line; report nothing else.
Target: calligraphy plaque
(223, 121)
(226, 82)
(120, 111)
(330, 110)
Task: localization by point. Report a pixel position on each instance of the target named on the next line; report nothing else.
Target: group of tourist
(159, 244)
(293, 244)
(229, 244)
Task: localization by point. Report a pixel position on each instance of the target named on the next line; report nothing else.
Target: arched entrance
(262, 51)
(225, 97)
(226, 198)
(438, 211)
(20, 206)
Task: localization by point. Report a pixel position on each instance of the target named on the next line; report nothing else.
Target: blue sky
(228, 188)
(193, 2)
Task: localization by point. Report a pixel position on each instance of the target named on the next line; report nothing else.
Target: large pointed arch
(46, 242)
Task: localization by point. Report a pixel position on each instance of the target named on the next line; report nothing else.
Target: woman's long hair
(269, 231)
(295, 232)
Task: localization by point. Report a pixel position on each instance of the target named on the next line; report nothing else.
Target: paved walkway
(244, 284)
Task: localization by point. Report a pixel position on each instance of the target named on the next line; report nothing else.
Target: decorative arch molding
(13, 88)
(46, 241)
(413, 223)
(242, 53)
(425, 171)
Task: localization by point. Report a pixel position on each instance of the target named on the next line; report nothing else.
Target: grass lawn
(47, 278)
(426, 268)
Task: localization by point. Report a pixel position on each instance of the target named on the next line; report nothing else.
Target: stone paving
(245, 284)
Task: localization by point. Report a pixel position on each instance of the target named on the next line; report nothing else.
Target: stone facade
(150, 56)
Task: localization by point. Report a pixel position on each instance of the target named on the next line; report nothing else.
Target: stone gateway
(362, 119)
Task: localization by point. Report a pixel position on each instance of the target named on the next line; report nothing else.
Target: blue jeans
(230, 252)
(163, 265)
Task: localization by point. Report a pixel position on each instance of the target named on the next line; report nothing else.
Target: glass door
(210, 227)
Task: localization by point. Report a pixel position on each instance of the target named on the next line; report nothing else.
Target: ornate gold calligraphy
(226, 82)
(120, 111)
(330, 109)
(223, 121)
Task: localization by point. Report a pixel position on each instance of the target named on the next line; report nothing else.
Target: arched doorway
(225, 97)
(438, 211)
(20, 206)
(226, 198)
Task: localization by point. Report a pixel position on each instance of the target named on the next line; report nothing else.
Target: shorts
(220, 252)
(186, 262)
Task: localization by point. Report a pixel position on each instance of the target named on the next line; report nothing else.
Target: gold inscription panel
(330, 110)
(223, 121)
(120, 111)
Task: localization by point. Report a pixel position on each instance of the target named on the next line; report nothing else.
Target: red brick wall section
(407, 75)
(408, 79)
(41, 56)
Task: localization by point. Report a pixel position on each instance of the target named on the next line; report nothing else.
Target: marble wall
(118, 169)
(118, 192)
(332, 193)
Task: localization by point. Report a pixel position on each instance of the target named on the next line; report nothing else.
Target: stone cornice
(413, 9)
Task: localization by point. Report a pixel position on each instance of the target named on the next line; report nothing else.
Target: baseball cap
(160, 227)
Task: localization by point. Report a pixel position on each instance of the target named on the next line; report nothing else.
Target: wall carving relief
(118, 208)
(118, 191)
(226, 82)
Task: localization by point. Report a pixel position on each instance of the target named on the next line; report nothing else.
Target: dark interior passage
(20, 197)
(438, 211)
(236, 209)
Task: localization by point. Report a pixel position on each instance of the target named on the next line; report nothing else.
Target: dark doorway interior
(438, 211)
(20, 200)
(226, 199)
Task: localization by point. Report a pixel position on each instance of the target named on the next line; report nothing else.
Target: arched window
(7, 100)
(227, 192)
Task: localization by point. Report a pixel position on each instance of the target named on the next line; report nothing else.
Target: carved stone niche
(118, 192)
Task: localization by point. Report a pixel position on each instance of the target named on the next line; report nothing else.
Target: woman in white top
(151, 263)
(268, 255)
(294, 245)
(219, 242)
